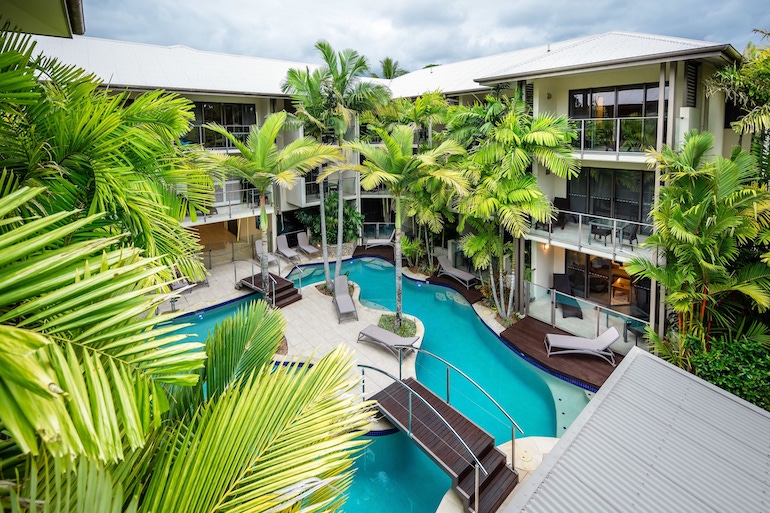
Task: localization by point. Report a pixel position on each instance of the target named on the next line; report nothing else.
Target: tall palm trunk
(324, 246)
(263, 257)
(340, 234)
(399, 270)
(340, 205)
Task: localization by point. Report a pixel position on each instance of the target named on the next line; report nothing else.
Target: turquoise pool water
(454, 332)
(393, 474)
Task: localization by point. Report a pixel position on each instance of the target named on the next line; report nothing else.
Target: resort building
(626, 91)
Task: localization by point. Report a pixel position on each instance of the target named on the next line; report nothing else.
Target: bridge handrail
(454, 367)
(414, 392)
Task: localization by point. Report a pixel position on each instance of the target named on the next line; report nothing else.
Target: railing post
(476, 487)
(409, 418)
(598, 325)
(400, 361)
(513, 446)
(553, 307)
(447, 384)
(235, 274)
(363, 381)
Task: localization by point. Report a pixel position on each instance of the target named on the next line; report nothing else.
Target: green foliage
(710, 210)
(412, 249)
(352, 220)
(408, 327)
(96, 153)
(741, 367)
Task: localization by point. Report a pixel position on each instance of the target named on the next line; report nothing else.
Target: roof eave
(183, 90)
(76, 17)
(724, 52)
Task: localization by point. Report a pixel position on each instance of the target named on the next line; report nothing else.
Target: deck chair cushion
(285, 251)
(380, 242)
(446, 268)
(342, 300)
(385, 338)
(304, 245)
(568, 344)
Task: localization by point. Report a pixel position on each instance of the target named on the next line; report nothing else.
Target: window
(622, 118)
(236, 117)
(614, 193)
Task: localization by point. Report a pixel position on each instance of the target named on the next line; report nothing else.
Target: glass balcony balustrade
(618, 238)
(619, 135)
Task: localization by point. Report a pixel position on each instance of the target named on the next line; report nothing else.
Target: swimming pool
(453, 331)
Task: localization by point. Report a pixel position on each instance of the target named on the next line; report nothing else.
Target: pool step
(285, 291)
(433, 436)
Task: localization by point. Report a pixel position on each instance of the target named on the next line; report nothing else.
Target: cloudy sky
(413, 32)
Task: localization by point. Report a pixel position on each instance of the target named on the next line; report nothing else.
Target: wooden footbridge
(466, 452)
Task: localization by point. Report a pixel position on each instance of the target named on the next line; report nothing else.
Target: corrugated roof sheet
(576, 54)
(604, 49)
(178, 68)
(656, 438)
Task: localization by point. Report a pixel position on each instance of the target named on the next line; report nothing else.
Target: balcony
(617, 239)
(307, 192)
(617, 136)
(230, 202)
(213, 141)
(544, 304)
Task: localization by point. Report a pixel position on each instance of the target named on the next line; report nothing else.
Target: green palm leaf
(77, 317)
(302, 429)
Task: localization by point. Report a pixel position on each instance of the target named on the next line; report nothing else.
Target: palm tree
(149, 422)
(390, 69)
(747, 85)
(335, 103)
(396, 167)
(306, 87)
(708, 210)
(264, 165)
(507, 141)
(95, 152)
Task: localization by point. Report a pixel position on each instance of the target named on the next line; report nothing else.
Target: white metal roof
(177, 68)
(608, 49)
(656, 438)
(575, 55)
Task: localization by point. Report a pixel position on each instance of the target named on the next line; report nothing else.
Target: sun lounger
(370, 243)
(285, 251)
(599, 346)
(342, 300)
(385, 338)
(444, 267)
(271, 258)
(304, 245)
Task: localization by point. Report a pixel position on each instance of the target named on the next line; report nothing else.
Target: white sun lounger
(444, 267)
(342, 300)
(599, 346)
(304, 245)
(285, 251)
(370, 243)
(385, 338)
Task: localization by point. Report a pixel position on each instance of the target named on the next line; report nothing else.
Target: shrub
(352, 220)
(408, 326)
(741, 367)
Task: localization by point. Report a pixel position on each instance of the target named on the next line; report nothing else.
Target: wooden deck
(527, 337)
(434, 437)
(471, 295)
